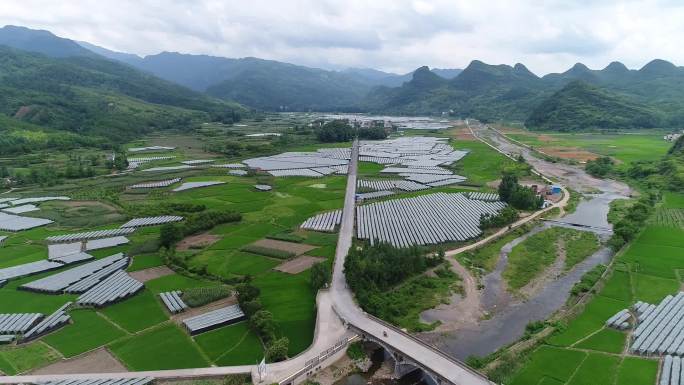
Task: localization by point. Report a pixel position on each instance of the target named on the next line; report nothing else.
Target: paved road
(446, 367)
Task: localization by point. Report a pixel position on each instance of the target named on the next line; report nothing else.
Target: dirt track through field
(96, 361)
(299, 264)
(151, 273)
(199, 240)
(292, 247)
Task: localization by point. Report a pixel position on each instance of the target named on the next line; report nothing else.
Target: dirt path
(199, 240)
(151, 273)
(299, 264)
(462, 310)
(96, 361)
(296, 248)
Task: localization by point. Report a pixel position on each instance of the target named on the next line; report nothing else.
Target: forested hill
(618, 97)
(73, 86)
(39, 41)
(481, 91)
(88, 94)
(579, 105)
(266, 84)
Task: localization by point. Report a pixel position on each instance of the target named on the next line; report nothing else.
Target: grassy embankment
(648, 270)
(531, 257)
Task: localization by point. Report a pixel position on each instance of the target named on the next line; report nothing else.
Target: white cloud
(396, 35)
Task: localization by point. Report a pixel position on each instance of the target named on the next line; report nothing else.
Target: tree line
(341, 131)
(372, 270)
(519, 196)
(261, 322)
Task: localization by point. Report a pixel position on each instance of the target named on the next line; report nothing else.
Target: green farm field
(626, 146)
(648, 270)
(138, 341)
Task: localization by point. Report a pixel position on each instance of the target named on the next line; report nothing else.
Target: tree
(277, 350)
(247, 292)
(373, 133)
(251, 307)
(120, 161)
(509, 182)
(506, 216)
(263, 325)
(599, 167)
(169, 234)
(320, 275)
(520, 197)
(335, 131)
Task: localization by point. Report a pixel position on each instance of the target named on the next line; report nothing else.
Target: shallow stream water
(511, 315)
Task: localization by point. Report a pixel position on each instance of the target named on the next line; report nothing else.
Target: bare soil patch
(462, 133)
(195, 311)
(574, 153)
(96, 361)
(462, 310)
(299, 264)
(151, 273)
(22, 112)
(291, 247)
(197, 241)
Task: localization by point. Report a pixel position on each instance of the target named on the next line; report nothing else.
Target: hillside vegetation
(580, 98)
(580, 105)
(95, 96)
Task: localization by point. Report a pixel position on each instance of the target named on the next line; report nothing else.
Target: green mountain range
(652, 96)
(265, 84)
(76, 86)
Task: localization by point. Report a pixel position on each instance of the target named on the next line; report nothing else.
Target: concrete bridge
(410, 352)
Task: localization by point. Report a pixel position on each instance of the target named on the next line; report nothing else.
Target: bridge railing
(417, 340)
(321, 357)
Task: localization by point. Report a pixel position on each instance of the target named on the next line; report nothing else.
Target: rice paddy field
(124, 326)
(648, 270)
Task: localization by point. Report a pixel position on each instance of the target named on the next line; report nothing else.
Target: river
(510, 315)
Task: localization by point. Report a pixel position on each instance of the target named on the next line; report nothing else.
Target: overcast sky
(392, 35)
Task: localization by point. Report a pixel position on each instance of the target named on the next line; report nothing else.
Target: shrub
(320, 275)
(599, 167)
(355, 351)
(588, 280)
